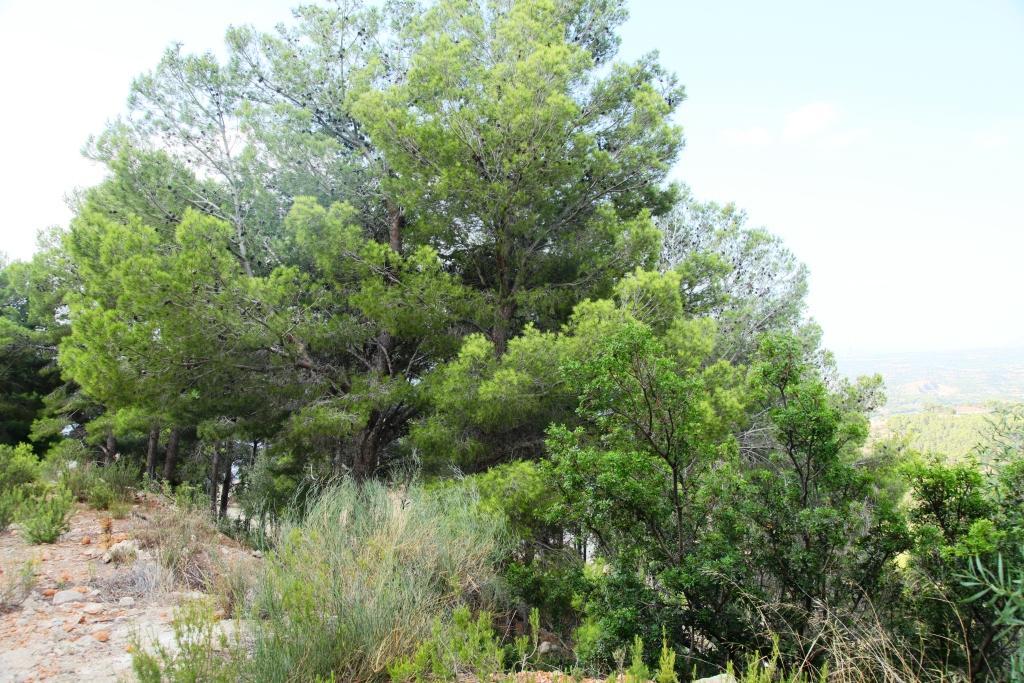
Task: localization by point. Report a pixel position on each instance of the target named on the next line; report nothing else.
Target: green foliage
(18, 466)
(463, 646)
(11, 501)
(1001, 589)
(45, 517)
(100, 495)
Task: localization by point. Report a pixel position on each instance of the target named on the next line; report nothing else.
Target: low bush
(122, 477)
(18, 466)
(79, 479)
(100, 496)
(45, 517)
(10, 501)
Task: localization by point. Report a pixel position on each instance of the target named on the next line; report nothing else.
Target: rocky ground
(84, 607)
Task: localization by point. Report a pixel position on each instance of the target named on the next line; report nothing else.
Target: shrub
(100, 496)
(466, 646)
(10, 501)
(201, 651)
(181, 540)
(18, 466)
(79, 479)
(366, 577)
(122, 477)
(44, 518)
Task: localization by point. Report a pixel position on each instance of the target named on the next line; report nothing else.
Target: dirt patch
(78, 620)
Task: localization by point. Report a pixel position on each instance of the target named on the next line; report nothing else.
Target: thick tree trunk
(214, 479)
(151, 446)
(365, 464)
(171, 455)
(225, 490)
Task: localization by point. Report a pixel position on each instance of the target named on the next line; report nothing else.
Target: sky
(883, 140)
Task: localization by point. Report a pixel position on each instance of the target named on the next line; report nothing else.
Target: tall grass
(363, 578)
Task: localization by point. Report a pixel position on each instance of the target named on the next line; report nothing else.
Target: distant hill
(965, 380)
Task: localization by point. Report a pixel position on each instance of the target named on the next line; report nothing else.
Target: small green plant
(465, 646)
(44, 518)
(637, 671)
(16, 586)
(100, 495)
(10, 502)
(201, 651)
(79, 479)
(666, 663)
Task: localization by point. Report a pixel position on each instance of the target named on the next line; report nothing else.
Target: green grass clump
(366, 577)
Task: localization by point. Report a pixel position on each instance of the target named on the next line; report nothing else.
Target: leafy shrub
(18, 466)
(100, 496)
(1000, 587)
(366, 577)
(44, 518)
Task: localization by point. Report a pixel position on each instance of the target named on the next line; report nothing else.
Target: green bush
(100, 495)
(122, 477)
(464, 646)
(79, 479)
(18, 466)
(10, 501)
(364, 579)
(44, 518)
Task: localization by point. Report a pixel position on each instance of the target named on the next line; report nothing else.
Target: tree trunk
(151, 446)
(225, 490)
(396, 223)
(110, 449)
(171, 455)
(366, 458)
(214, 479)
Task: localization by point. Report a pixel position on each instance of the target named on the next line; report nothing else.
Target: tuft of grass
(16, 586)
(366, 577)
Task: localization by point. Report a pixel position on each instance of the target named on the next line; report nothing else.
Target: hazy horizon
(884, 144)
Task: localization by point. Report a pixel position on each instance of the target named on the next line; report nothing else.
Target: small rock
(86, 541)
(126, 601)
(92, 608)
(64, 597)
(720, 678)
(102, 636)
(81, 589)
(257, 553)
(49, 592)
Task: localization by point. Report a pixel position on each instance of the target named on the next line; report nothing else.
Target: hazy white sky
(884, 140)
